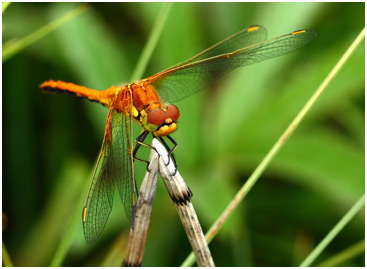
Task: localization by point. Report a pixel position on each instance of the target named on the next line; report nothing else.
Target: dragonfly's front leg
(170, 151)
(139, 142)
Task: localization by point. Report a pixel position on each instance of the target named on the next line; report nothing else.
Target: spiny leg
(139, 142)
(170, 151)
(174, 143)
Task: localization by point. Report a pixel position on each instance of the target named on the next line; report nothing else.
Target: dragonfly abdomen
(102, 97)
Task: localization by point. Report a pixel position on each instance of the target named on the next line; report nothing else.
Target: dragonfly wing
(114, 166)
(179, 82)
(123, 163)
(249, 36)
(100, 196)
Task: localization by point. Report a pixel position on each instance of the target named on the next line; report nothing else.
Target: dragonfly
(149, 102)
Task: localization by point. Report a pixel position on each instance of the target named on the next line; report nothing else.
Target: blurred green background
(50, 142)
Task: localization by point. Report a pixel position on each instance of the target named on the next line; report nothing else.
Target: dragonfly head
(163, 121)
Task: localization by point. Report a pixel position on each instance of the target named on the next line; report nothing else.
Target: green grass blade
(5, 6)
(115, 255)
(66, 241)
(277, 146)
(334, 232)
(6, 258)
(344, 255)
(12, 48)
(152, 42)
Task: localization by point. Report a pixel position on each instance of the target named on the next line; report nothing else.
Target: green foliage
(50, 142)
(5, 6)
(13, 47)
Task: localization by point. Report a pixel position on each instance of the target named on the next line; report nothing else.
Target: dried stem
(139, 231)
(180, 195)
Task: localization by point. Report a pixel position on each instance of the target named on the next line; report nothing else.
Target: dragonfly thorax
(161, 121)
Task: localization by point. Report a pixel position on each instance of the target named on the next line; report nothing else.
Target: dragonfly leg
(170, 151)
(140, 142)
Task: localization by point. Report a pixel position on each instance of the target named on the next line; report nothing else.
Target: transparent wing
(123, 163)
(100, 195)
(114, 166)
(181, 81)
(247, 37)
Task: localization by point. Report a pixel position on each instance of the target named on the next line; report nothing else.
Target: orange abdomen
(103, 97)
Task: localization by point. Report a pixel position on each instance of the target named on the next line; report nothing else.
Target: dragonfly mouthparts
(166, 128)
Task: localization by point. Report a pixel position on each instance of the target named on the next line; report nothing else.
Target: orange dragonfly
(149, 103)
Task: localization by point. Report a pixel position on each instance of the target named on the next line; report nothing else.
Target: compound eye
(173, 112)
(156, 117)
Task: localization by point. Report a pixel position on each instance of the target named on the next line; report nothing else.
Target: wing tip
(309, 32)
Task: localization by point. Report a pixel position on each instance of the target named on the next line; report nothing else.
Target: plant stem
(6, 258)
(181, 194)
(12, 48)
(5, 5)
(152, 42)
(66, 240)
(334, 232)
(143, 214)
(345, 255)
